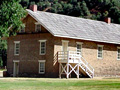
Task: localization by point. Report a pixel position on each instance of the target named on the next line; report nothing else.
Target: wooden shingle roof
(78, 28)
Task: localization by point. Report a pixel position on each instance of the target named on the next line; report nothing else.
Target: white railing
(75, 57)
(62, 55)
(88, 66)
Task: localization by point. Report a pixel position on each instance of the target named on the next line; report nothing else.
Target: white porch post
(67, 70)
(68, 64)
(78, 71)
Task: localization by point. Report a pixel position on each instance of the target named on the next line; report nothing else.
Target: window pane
(22, 29)
(78, 48)
(43, 48)
(42, 44)
(17, 47)
(118, 50)
(99, 48)
(118, 53)
(42, 67)
(42, 51)
(38, 27)
(100, 52)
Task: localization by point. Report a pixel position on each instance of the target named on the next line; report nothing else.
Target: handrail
(88, 64)
(75, 55)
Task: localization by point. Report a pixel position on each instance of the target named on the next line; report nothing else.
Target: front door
(65, 46)
(65, 49)
(16, 69)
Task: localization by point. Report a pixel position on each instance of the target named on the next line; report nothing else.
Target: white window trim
(40, 47)
(102, 51)
(39, 66)
(79, 43)
(16, 42)
(16, 61)
(117, 53)
(36, 26)
(65, 40)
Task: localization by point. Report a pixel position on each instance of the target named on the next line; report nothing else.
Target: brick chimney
(108, 20)
(33, 8)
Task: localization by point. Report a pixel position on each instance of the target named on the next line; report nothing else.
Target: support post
(67, 70)
(78, 71)
(67, 64)
(59, 70)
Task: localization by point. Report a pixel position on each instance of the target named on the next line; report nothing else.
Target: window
(100, 51)
(42, 47)
(22, 29)
(17, 47)
(37, 27)
(118, 53)
(79, 47)
(41, 66)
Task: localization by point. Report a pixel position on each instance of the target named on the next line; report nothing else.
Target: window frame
(44, 47)
(36, 27)
(21, 29)
(118, 53)
(98, 51)
(79, 43)
(16, 42)
(41, 61)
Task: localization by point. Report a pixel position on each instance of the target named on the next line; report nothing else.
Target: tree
(24, 3)
(11, 13)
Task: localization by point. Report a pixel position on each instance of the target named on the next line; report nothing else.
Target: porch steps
(80, 64)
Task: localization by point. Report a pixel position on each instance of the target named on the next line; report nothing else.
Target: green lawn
(3, 70)
(59, 84)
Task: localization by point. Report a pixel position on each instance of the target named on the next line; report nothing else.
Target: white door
(65, 49)
(16, 69)
(65, 46)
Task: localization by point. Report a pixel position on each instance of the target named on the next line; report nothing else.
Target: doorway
(65, 49)
(65, 45)
(15, 68)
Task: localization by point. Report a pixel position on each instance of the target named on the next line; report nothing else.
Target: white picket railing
(75, 57)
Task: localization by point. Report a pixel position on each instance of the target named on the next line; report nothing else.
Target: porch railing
(75, 57)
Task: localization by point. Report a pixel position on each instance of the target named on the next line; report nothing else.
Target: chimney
(33, 8)
(108, 20)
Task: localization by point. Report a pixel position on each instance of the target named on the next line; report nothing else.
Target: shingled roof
(77, 28)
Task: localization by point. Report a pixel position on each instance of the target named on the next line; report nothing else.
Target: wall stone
(107, 66)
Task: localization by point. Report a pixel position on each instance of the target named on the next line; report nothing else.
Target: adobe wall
(108, 66)
(29, 55)
(30, 25)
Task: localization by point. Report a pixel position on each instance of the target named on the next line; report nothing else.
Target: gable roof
(77, 28)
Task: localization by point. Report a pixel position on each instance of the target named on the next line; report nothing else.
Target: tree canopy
(11, 13)
(93, 9)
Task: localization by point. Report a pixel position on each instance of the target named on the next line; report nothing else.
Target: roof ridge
(75, 17)
(85, 29)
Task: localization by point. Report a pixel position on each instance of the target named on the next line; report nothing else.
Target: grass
(59, 84)
(3, 70)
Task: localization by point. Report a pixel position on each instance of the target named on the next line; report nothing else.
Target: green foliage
(93, 9)
(1, 62)
(11, 13)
